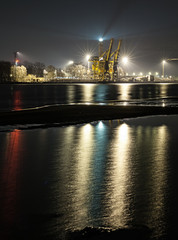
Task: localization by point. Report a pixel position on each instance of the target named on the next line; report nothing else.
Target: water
(16, 97)
(111, 174)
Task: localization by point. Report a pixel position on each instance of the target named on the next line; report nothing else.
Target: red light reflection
(17, 100)
(10, 181)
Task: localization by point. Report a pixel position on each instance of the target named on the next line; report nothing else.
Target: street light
(100, 46)
(70, 62)
(163, 63)
(87, 58)
(100, 39)
(125, 60)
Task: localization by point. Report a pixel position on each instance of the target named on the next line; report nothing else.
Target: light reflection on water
(100, 174)
(16, 97)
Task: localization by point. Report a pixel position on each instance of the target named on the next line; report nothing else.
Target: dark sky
(54, 32)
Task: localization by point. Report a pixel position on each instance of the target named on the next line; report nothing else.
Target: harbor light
(70, 62)
(100, 39)
(125, 60)
(163, 63)
(88, 57)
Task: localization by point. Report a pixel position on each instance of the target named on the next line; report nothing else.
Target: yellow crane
(104, 67)
(114, 62)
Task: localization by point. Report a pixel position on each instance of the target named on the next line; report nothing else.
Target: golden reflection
(88, 92)
(80, 173)
(118, 178)
(70, 93)
(125, 91)
(68, 137)
(163, 89)
(123, 132)
(159, 177)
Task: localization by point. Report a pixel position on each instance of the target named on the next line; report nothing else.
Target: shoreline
(75, 81)
(76, 114)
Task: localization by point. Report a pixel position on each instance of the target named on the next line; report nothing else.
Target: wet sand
(72, 114)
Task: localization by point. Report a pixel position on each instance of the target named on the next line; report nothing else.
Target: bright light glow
(163, 61)
(17, 62)
(70, 62)
(149, 73)
(125, 60)
(157, 73)
(87, 128)
(100, 39)
(100, 125)
(141, 74)
(133, 74)
(88, 57)
(123, 132)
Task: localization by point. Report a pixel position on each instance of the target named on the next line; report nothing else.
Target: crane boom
(108, 55)
(115, 60)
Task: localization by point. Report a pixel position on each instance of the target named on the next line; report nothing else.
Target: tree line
(37, 69)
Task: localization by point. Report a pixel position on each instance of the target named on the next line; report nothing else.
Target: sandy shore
(71, 114)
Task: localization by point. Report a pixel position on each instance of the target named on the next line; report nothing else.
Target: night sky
(54, 32)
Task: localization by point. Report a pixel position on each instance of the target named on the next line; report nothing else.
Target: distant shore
(93, 81)
(73, 114)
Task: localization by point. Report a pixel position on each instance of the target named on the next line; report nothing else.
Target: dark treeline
(5, 71)
(32, 68)
(35, 68)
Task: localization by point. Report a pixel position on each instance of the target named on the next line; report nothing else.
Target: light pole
(16, 59)
(16, 62)
(100, 46)
(163, 62)
(87, 58)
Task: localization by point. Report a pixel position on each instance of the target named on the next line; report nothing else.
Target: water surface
(110, 173)
(20, 96)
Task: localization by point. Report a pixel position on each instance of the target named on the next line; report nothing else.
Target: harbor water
(113, 174)
(20, 96)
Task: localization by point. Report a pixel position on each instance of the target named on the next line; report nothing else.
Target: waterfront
(115, 174)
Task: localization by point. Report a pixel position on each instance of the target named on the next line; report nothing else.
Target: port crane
(104, 67)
